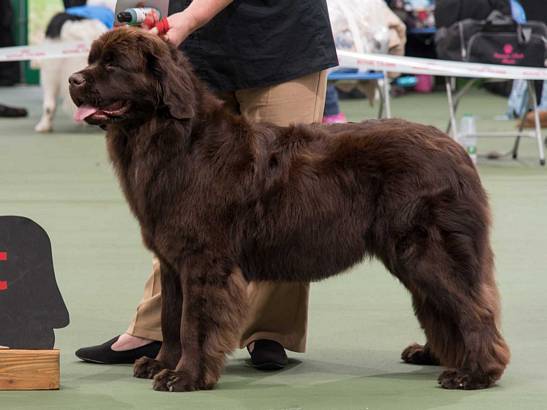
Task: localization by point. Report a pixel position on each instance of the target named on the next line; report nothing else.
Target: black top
(535, 10)
(256, 43)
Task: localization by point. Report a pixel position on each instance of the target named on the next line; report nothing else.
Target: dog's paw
(418, 354)
(147, 368)
(43, 126)
(464, 380)
(176, 381)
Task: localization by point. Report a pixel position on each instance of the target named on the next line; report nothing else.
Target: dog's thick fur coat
(222, 201)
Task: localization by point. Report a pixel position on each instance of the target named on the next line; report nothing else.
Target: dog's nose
(76, 80)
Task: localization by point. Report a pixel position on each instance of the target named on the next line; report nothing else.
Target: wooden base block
(29, 369)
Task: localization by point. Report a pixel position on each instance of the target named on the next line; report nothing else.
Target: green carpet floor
(359, 322)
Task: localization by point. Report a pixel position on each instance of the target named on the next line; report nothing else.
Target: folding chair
(452, 128)
(385, 102)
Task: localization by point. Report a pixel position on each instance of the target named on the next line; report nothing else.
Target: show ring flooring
(358, 323)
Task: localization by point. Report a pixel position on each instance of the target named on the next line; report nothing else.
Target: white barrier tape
(413, 65)
(378, 62)
(44, 51)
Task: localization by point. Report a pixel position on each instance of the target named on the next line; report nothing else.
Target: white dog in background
(54, 73)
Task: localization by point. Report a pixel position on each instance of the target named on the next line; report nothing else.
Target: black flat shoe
(12, 112)
(103, 354)
(268, 355)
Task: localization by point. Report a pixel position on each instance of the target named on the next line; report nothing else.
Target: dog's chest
(135, 172)
(140, 189)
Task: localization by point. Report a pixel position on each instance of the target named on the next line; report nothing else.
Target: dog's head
(132, 76)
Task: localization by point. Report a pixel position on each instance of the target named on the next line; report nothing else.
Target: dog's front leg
(214, 307)
(171, 311)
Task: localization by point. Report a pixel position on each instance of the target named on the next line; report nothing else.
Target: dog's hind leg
(171, 312)
(457, 304)
(214, 307)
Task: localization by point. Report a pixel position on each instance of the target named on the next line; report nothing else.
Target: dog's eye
(110, 67)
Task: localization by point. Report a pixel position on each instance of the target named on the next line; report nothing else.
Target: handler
(268, 61)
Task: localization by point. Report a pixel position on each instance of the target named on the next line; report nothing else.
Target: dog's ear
(175, 79)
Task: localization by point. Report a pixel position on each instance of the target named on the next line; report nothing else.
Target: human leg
(298, 101)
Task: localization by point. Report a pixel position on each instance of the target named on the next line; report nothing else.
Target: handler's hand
(181, 25)
(198, 13)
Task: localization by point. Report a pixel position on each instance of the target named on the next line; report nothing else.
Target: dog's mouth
(100, 115)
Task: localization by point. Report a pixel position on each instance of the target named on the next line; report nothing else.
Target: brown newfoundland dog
(222, 201)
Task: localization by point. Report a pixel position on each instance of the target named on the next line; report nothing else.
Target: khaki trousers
(278, 311)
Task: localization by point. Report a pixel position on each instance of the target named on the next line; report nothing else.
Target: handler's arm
(197, 14)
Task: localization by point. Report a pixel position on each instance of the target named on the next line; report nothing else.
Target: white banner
(413, 65)
(376, 62)
(44, 51)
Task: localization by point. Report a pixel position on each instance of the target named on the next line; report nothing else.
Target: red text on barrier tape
(3, 283)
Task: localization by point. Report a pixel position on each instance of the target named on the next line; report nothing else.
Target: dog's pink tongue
(83, 112)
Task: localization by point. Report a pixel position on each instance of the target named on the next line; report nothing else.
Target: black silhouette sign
(31, 305)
